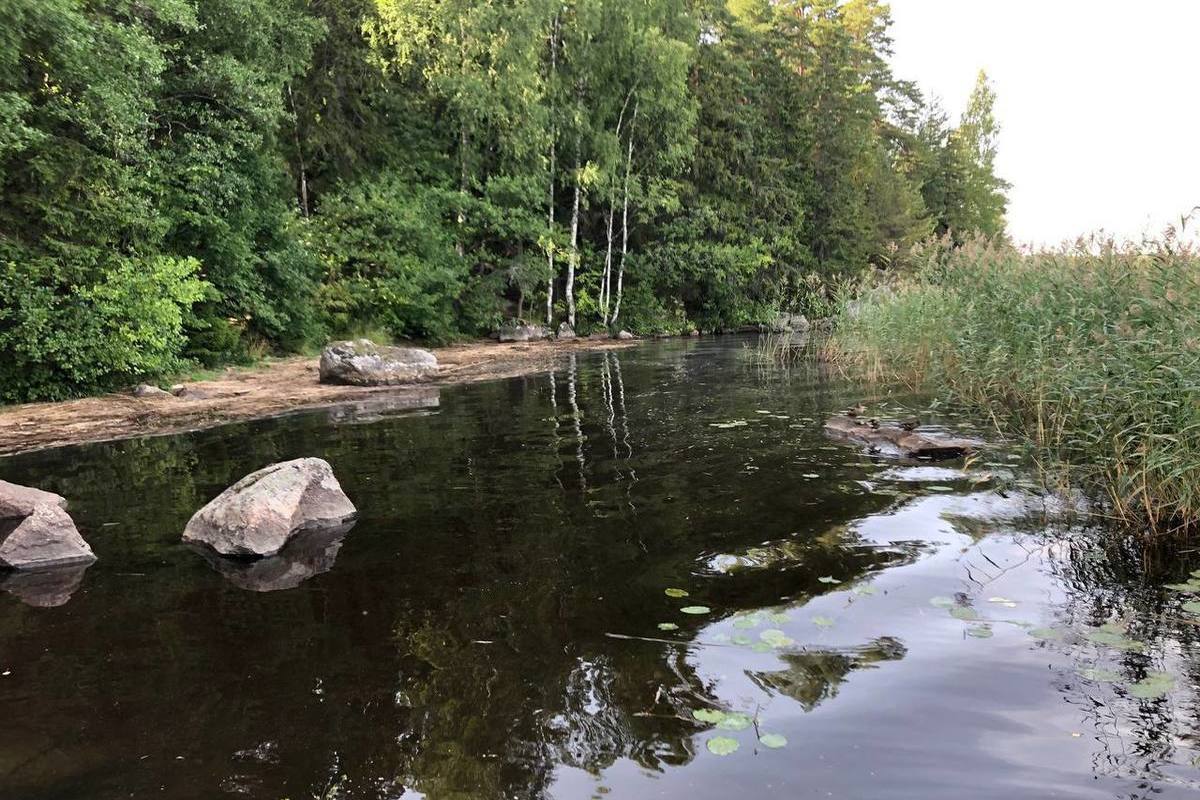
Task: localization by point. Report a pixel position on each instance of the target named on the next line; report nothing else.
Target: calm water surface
(496, 624)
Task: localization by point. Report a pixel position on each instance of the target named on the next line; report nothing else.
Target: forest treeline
(187, 181)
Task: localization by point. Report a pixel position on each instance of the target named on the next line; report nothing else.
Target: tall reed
(1093, 351)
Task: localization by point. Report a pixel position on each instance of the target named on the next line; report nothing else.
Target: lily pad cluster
(733, 721)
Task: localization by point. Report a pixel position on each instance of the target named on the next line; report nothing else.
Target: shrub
(62, 337)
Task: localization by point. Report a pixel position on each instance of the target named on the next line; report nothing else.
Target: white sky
(1098, 101)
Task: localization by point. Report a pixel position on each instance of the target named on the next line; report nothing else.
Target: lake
(507, 618)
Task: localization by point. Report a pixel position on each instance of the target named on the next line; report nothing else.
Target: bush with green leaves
(62, 338)
(389, 259)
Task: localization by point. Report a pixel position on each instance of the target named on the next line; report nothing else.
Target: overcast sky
(1099, 103)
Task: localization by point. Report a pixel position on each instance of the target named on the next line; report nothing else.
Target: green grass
(1092, 352)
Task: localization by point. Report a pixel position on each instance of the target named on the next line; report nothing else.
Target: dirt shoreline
(273, 388)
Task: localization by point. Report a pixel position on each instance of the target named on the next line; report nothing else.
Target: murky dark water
(491, 626)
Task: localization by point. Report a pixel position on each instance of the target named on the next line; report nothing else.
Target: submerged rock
(519, 332)
(898, 441)
(261, 512)
(18, 502)
(565, 331)
(44, 588)
(363, 363)
(308, 553)
(45, 538)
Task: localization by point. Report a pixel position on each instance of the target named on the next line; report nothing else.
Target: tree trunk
(550, 204)
(624, 222)
(299, 154)
(606, 278)
(573, 258)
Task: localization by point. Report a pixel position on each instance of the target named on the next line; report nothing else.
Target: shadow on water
(497, 625)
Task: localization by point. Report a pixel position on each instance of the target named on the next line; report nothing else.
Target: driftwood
(895, 440)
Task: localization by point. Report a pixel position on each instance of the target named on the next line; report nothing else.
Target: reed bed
(1091, 351)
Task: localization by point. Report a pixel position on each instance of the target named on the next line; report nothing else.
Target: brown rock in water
(45, 538)
(18, 502)
(896, 440)
(364, 363)
(261, 512)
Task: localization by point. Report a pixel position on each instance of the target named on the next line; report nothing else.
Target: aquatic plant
(1090, 350)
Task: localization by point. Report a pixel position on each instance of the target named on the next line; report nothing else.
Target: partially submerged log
(894, 440)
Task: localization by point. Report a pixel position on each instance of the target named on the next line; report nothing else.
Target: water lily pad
(761, 647)
(942, 601)
(713, 715)
(1191, 587)
(747, 622)
(1050, 634)
(980, 631)
(864, 590)
(1003, 601)
(675, 592)
(668, 626)
(722, 745)
(965, 613)
(822, 621)
(1192, 607)
(737, 423)
(1118, 641)
(695, 609)
(773, 740)
(735, 721)
(742, 640)
(1156, 684)
(776, 638)
(828, 579)
(1100, 675)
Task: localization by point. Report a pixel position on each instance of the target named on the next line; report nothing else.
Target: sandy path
(272, 388)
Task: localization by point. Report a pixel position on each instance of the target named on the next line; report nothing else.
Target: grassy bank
(1092, 351)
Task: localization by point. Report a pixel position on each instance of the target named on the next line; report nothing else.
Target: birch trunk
(624, 222)
(606, 278)
(550, 204)
(573, 257)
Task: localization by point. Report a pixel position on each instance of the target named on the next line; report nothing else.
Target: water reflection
(811, 677)
(47, 588)
(497, 626)
(304, 556)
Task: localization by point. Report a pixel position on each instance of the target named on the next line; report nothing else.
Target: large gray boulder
(363, 363)
(261, 512)
(790, 323)
(520, 332)
(45, 538)
(18, 502)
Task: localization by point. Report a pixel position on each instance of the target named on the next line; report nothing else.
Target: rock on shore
(520, 332)
(363, 363)
(261, 512)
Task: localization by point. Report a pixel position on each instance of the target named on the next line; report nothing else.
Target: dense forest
(191, 182)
